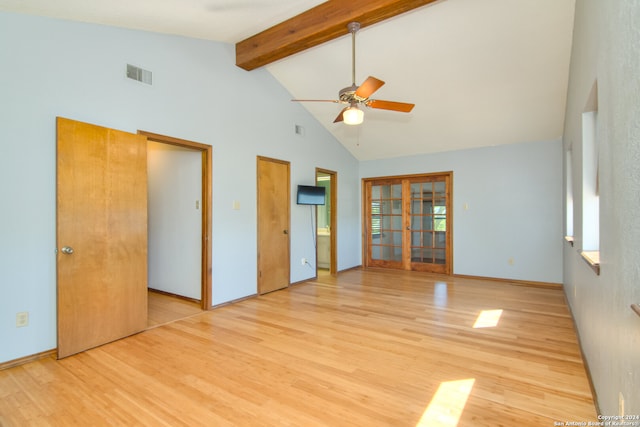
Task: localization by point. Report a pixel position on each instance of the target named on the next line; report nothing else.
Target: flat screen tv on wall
(310, 195)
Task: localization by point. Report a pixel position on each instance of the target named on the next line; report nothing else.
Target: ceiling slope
(480, 72)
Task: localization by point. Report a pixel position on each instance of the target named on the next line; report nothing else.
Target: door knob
(67, 250)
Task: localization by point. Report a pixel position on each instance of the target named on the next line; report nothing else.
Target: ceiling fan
(354, 95)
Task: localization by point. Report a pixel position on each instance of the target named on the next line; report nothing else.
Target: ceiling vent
(138, 74)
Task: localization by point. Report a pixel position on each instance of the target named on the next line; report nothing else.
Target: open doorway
(179, 228)
(326, 218)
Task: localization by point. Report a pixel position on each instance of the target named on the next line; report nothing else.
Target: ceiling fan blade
(403, 107)
(369, 86)
(340, 118)
(316, 100)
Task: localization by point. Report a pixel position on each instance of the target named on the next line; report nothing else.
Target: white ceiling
(481, 72)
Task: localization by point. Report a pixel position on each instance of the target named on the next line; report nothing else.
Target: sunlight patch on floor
(447, 405)
(488, 319)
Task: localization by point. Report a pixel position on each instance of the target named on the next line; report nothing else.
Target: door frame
(207, 156)
(365, 216)
(333, 215)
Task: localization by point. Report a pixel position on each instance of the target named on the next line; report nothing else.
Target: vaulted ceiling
(481, 72)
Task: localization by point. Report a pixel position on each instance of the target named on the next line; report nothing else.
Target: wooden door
(101, 235)
(408, 222)
(274, 203)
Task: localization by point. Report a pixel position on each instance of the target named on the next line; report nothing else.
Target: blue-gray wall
(507, 203)
(52, 68)
(606, 50)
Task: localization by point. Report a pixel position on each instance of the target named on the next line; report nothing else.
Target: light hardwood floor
(368, 348)
(164, 308)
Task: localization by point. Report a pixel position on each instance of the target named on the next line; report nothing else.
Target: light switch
(236, 205)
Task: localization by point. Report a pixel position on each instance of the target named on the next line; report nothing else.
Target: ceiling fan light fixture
(353, 115)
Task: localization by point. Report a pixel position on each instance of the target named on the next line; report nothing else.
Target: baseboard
(357, 267)
(529, 283)
(300, 282)
(594, 395)
(310, 279)
(169, 294)
(213, 307)
(31, 358)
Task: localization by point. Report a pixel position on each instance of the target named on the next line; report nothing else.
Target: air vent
(138, 74)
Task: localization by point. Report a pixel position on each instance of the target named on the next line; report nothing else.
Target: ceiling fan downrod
(353, 29)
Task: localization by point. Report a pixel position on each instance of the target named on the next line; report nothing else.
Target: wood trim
(170, 294)
(26, 359)
(529, 283)
(355, 267)
(392, 178)
(364, 202)
(333, 238)
(224, 304)
(317, 25)
(207, 174)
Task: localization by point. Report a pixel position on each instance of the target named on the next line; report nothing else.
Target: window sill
(593, 259)
(569, 239)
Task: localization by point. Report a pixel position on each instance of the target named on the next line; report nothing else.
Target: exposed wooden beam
(318, 25)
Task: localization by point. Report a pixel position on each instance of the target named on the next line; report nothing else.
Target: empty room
(319, 213)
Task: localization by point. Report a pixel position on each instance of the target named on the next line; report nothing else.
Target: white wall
(52, 68)
(174, 219)
(606, 49)
(513, 194)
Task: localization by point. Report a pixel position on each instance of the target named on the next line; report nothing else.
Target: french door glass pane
(386, 253)
(376, 252)
(425, 223)
(393, 253)
(392, 238)
(375, 192)
(386, 222)
(428, 222)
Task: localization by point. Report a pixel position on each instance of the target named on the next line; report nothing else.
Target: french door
(408, 222)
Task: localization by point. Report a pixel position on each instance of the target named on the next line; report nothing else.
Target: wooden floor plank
(163, 308)
(370, 347)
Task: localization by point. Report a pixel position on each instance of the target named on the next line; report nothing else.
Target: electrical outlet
(511, 261)
(303, 261)
(620, 404)
(22, 319)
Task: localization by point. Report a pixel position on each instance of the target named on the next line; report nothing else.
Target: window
(568, 169)
(590, 185)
